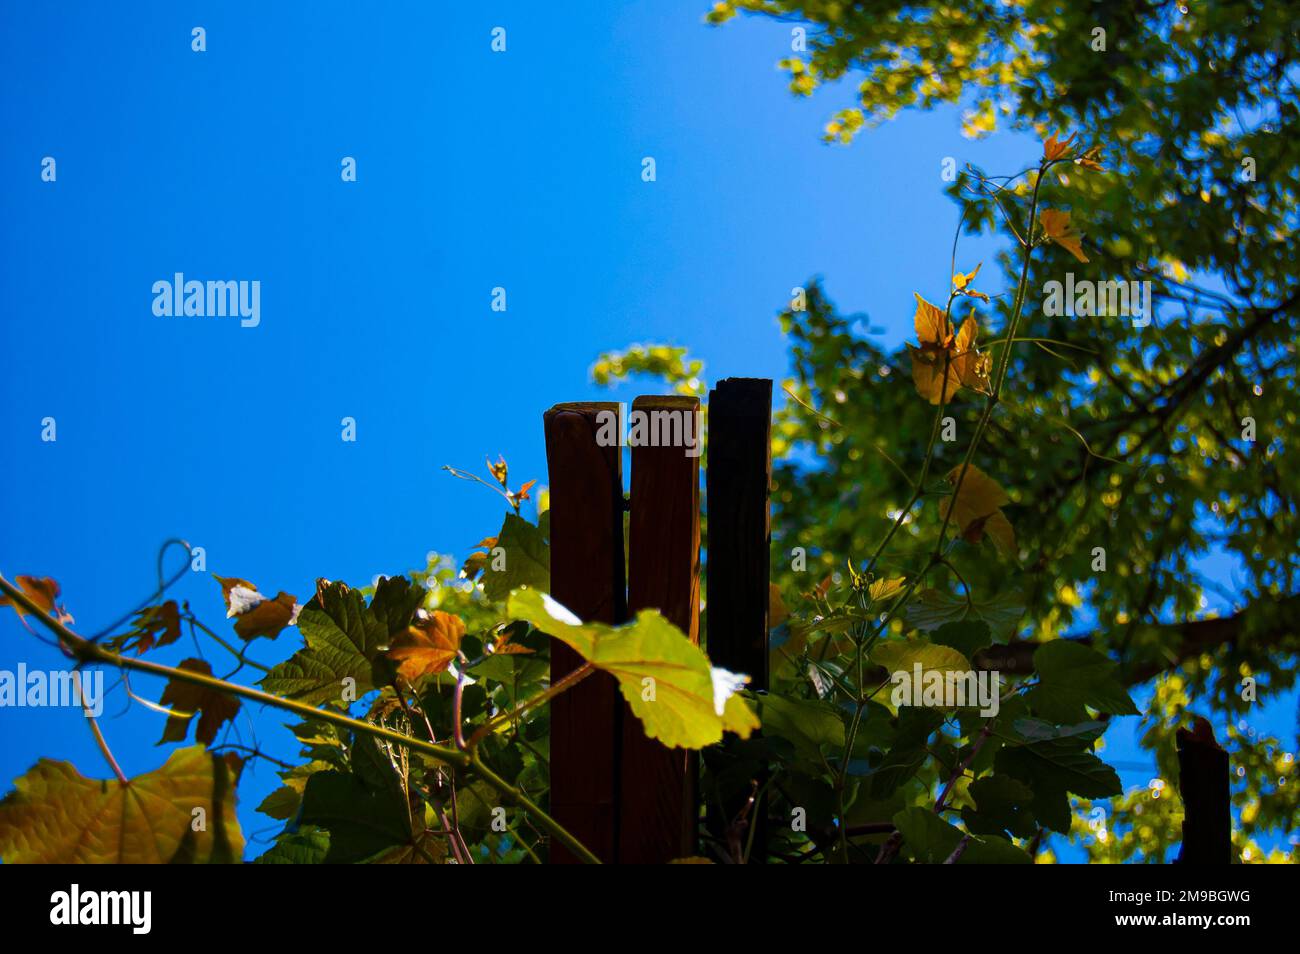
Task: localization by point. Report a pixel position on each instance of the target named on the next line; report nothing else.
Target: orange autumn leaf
(1091, 159)
(428, 646)
(240, 595)
(154, 626)
(520, 495)
(1056, 225)
(976, 508)
(44, 592)
(941, 349)
(257, 615)
(268, 617)
(505, 646)
(821, 589)
(476, 562)
(187, 700)
(1054, 149)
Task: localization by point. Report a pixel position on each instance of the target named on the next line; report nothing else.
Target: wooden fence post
(586, 487)
(659, 810)
(1203, 782)
(738, 484)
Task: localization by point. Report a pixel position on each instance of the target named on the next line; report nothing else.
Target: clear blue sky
(475, 169)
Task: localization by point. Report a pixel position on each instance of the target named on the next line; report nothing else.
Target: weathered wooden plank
(586, 489)
(659, 813)
(738, 485)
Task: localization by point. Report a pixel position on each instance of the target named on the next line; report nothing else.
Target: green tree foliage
(1154, 443)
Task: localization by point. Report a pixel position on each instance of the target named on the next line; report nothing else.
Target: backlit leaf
(1056, 226)
(344, 641)
(691, 703)
(187, 699)
(55, 815)
(428, 646)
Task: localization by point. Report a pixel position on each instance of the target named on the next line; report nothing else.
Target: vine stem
(103, 745)
(86, 651)
(918, 489)
(1000, 374)
(936, 558)
(569, 680)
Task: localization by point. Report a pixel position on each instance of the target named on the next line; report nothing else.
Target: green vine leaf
(366, 812)
(395, 601)
(934, 608)
(1072, 676)
(666, 679)
(903, 655)
(527, 560)
(1054, 768)
(932, 840)
(183, 812)
(810, 726)
(344, 641)
(1001, 807)
(306, 846)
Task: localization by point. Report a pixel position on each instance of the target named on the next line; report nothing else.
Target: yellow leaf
(975, 505)
(1056, 225)
(970, 367)
(960, 281)
(737, 716)
(928, 374)
(504, 646)
(680, 699)
(55, 815)
(931, 325)
(939, 348)
(884, 589)
(997, 526)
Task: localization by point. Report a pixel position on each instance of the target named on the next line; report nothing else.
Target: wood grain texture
(738, 487)
(586, 488)
(659, 811)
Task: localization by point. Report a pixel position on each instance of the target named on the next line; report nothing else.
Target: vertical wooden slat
(586, 488)
(1203, 782)
(738, 484)
(658, 816)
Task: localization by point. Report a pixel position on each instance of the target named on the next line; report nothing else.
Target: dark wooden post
(1203, 782)
(586, 487)
(659, 812)
(738, 484)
